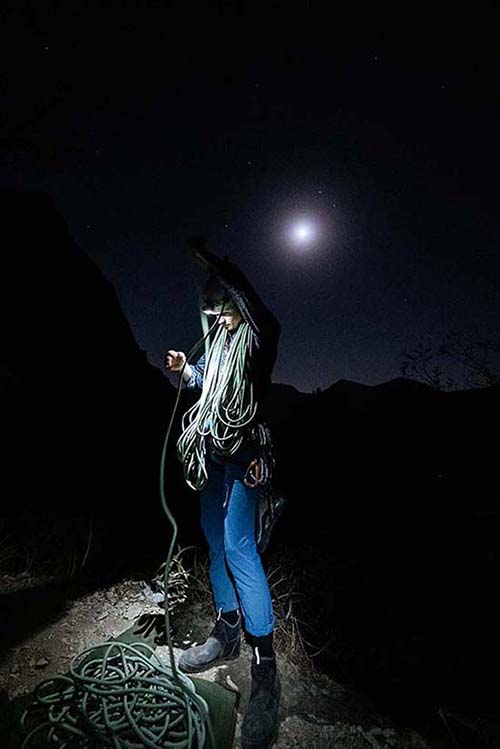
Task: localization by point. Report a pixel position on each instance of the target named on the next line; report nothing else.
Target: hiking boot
(259, 729)
(223, 644)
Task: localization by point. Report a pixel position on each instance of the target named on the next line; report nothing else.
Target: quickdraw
(270, 504)
(260, 469)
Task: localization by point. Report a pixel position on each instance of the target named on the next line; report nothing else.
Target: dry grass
(41, 549)
(296, 630)
(179, 580)
(59, 550)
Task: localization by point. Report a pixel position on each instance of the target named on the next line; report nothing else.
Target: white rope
(226, 405)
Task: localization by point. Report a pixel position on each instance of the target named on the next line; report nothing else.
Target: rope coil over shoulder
(225, 408)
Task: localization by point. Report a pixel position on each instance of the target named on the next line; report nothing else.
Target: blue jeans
(228, 521)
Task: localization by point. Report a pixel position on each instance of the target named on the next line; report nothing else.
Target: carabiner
(246, 481)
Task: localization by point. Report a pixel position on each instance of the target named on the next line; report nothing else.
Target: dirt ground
(315, 711)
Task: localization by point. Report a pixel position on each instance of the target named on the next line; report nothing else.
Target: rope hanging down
(122, 696)
(225, 407)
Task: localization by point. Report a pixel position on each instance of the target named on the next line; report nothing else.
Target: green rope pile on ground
(121, 695)
(125, 697)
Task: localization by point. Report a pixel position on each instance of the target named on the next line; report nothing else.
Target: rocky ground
(315, 711)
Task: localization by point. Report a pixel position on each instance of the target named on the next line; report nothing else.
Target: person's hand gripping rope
(175, 360)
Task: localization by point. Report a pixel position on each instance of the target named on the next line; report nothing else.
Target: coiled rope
(124, 697)
(225, 407)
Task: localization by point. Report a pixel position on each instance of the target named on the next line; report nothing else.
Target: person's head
(216, 300)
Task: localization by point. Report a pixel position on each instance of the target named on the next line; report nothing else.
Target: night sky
(151, 124)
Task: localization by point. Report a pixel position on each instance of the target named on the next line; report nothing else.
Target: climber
(225, 451)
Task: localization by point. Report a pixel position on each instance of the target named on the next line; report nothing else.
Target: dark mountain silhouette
(392, 489)
(84, 413)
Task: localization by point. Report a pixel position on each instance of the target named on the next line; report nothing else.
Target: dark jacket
(265, 329)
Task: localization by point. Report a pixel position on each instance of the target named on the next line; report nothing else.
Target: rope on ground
(124, 697)
(119, 695)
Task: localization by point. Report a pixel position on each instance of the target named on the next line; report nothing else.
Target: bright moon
(302, 232)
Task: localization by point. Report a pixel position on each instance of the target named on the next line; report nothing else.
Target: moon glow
(302, 232)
